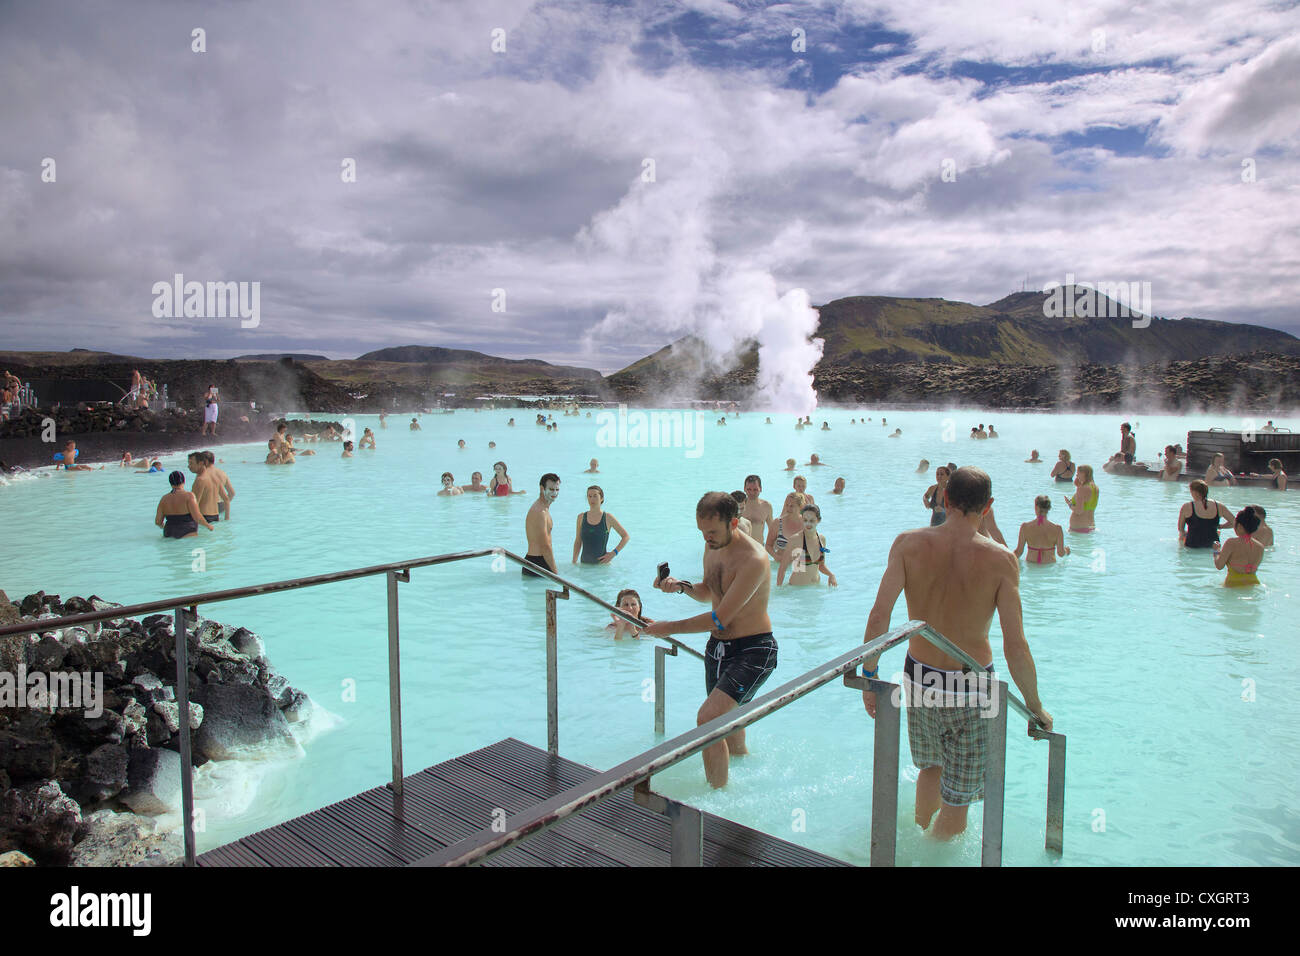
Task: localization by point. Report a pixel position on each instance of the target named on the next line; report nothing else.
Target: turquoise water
(1143, 658)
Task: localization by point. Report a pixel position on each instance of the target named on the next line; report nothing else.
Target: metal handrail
(395, 572)
(231, 594)
(637, 771)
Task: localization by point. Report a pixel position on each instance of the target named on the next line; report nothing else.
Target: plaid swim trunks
(948, 729)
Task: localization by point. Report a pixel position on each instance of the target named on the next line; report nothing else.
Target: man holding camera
(741, 652)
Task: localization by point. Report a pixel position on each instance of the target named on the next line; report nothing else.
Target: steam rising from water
(663, 233)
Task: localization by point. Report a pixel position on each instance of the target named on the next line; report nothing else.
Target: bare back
(952, 579)
(207, 491)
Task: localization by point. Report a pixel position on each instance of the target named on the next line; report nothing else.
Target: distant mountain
(474, 365)
(1025, 328)
(276, 356)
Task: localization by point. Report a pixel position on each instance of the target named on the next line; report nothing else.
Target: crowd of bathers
(793, 536)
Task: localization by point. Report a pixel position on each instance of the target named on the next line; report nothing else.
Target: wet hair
(504, 469)
(1247, 518)
(176, 478)
(447, 476)
(739, 496)
(969, 489)
(1064, 452)
(549, 476)
(814, 509)
(1126, 427)
(210, 458)
(625, 593)
(1275, 463)
(347, 445)
(600, 489)
(756, 480)
(1258, 509)
(951, 466)
(477, 476)
(1080, 472)
(1043, 502)
(270, 443)
(717, 504)
(800, 478)
(1199, 488)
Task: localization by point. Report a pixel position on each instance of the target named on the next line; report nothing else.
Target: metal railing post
(686, 840)
(660, 653)
(1055, 841)
(552, 673)
(687, 835)
(884, 774)
(395, 679)
(183, 732)
(995, 775)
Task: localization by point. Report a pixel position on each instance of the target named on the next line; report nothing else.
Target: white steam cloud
(663, 235)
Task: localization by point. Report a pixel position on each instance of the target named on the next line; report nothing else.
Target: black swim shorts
(739, 666)
(540, 561)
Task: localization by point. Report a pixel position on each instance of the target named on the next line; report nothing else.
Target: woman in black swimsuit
(178, 511)
(1063, 470)
(933, 498)
(1279, 476)
(1202, 517)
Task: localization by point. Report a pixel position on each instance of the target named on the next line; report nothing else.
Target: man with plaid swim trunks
(741, 653)
(954, 579)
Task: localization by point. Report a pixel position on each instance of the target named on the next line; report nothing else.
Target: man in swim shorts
(1127, 443)
(758, 511)
(954, 578)
(741, 653)
(538, 524)
(223, 480)
(205, 487)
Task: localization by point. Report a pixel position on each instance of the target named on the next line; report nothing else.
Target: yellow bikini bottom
(1240, 579)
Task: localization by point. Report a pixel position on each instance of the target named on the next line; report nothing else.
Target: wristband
(616, 551)
(867, 673)
(716, 622)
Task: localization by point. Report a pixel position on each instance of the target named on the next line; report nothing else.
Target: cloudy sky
(617, 167)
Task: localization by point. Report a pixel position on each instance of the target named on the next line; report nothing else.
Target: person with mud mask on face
(538, 526)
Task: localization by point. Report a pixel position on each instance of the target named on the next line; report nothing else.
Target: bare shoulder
(996, 555)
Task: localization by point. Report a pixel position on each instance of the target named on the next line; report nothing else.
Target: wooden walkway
(452, 800)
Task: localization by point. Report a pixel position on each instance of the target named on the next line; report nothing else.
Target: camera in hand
(663, 572)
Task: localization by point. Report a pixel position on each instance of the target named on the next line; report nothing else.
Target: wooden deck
(448, 802)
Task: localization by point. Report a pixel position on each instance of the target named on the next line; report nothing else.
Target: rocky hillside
(1262, 381)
